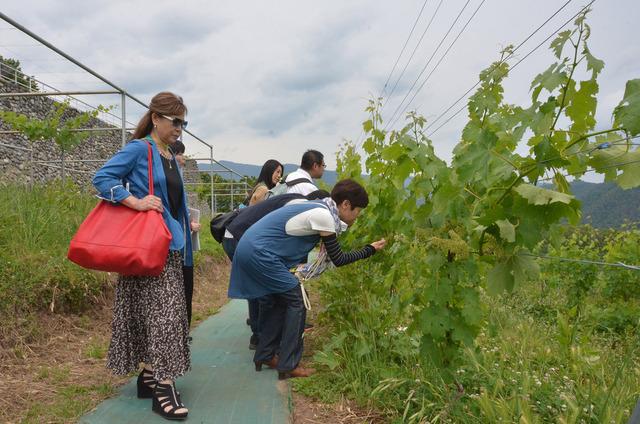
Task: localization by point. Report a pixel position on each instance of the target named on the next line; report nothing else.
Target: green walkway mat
(222, 386)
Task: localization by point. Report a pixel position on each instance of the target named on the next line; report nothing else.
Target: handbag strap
(150, 167)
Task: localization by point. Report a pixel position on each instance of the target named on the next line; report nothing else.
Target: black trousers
(282, 317)
(187, 271)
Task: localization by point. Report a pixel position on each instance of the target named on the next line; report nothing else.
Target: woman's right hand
(379, 244)
(147, 203)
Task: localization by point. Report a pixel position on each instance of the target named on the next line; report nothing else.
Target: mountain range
(329, 177)
(604, 205)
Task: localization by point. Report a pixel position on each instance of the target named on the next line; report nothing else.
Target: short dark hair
(178, 148)
(351, 191)
(310, 158)
(318, 194)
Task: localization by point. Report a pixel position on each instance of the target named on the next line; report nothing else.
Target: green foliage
(96, 349)
(71, 403)
(536, 359)
(36, 226)
(54, 127)
(208, 245)
(461, 231)
(627, 114)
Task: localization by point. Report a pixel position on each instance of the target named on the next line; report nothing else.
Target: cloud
(272, 79)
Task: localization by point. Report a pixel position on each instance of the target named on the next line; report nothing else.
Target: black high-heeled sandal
(165, 395)
(146, 384)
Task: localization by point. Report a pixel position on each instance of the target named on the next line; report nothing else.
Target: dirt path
(52, 366)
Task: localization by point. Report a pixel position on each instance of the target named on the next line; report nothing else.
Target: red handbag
(116, 238)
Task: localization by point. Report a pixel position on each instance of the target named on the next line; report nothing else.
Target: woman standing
(270, 175)
(149, 315)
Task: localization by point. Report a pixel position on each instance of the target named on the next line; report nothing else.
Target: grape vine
(458, 229)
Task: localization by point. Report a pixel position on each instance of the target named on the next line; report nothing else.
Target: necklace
(163, 154)
(167, 159)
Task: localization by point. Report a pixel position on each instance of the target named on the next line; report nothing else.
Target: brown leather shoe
(271, 363)
(298, 372)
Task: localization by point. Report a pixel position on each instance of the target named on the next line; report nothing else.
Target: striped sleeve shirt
(341, 258)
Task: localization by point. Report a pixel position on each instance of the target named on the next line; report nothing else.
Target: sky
(266, 79)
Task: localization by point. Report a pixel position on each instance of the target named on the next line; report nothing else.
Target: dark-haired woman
(149, 315)
(270, 175)
(273, 246)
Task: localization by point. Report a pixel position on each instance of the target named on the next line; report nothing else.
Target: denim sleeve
(108, 179)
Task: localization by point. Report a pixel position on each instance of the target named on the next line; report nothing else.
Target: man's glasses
(176, 122)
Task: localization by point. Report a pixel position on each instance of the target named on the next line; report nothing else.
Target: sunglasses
(176, 122)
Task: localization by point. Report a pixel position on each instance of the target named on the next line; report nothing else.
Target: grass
(71, 403)
(208, 245)
(96, 349)
(536, 360)
(36, 225)
(55, 328)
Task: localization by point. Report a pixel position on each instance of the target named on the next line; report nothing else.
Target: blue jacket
(129, 165)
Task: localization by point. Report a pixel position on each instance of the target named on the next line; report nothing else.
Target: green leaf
(500, 279)
(561, 183)
(542, 196)
(393, 152)
(593, 64)
(441, 292)
(558, 44)
(402, 172)
(367, 126)
(525, 268)
(507, 230)
(550, 79)
(462, 332)
(330, 359)
(471, 308)
(627, 113)
(362, 348)
(435, 321)
(630, 177)
(581, 106)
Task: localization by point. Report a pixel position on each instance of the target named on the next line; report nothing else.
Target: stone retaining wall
(43, 161)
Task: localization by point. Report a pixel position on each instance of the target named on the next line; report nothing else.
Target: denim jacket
(129, 166)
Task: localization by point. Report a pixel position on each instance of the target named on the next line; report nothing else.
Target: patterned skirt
(150, 323)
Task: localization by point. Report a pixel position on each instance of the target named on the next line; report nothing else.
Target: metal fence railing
(222, 195)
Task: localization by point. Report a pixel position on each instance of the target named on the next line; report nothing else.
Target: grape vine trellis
(469, 226)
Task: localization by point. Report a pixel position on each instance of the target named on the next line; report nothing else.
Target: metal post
(123, 99)
(213, 203)
(232, 184)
